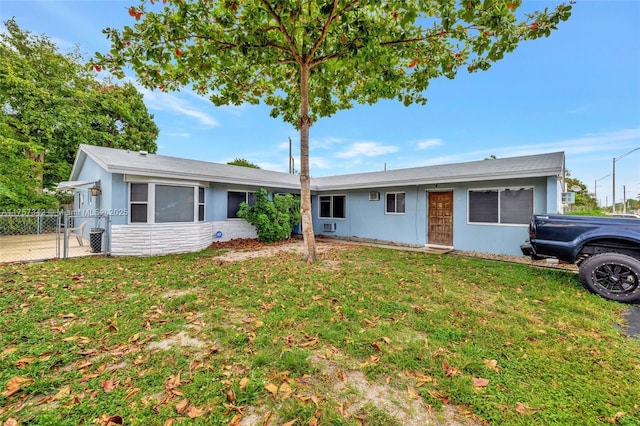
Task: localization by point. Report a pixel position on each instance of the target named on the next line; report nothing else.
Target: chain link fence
(28, 235)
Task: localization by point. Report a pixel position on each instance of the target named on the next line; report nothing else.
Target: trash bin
(95, 238)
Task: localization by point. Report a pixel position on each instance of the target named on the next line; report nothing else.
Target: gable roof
(160, 166)
(539, 165)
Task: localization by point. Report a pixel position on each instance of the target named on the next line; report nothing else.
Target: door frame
(434, 190)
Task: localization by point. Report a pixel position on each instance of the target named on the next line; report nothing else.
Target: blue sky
(577, 91)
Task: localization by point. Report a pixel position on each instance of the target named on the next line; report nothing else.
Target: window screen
(516, 206)
(483, 206)
(174, 203)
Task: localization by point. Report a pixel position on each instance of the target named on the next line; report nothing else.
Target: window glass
(200, 204)
(174, 204)
(516, 206)
(138, 213)
(395, 202)
(508, 206)
(483, 206)
(139, 194)
(338, 206)
(325, 206)
(400, 202)
(333, 206)
(234, 198)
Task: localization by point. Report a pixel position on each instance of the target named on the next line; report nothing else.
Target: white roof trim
(75, 184)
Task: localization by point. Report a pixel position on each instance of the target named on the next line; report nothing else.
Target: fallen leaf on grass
(16, 384)
(244, 382)
(107, 420)
(616, 417)
(23, 362)
(64, 391)
(194, 412)
(439, 396)
(479, 382)
(291, 423)
(412, 393)
(492, 364)
(108, 385)
(285, 391)
(11, 422)
(524, 410)
(181, 406)
(235, 421)
(449, 371)
(273, 389)
(8, 351)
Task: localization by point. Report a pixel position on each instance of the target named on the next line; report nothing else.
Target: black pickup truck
(606, 249)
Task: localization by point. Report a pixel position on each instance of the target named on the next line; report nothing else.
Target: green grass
(85, 339)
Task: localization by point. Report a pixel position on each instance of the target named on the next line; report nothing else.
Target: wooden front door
(440, 218)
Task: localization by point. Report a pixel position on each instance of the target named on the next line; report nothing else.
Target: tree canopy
(51, 103)
(309, 58)
(243, 163)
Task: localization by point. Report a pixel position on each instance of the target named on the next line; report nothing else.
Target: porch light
(95, 190)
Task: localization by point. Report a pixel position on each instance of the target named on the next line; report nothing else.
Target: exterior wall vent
(374, 196)
(329, 227)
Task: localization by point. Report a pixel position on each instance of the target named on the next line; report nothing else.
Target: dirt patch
(246, 248)
(180, 339)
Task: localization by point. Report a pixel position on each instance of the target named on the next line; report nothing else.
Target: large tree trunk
(37, 168)
(305, 177)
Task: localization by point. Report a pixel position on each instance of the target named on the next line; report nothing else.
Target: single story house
(158, 204)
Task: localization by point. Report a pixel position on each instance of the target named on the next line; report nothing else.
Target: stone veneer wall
(166, 238)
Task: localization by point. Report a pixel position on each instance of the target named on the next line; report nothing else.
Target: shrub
(274, 219)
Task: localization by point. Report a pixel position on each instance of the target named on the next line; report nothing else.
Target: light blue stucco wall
(367, 219)
(85, 204)
(364, 218)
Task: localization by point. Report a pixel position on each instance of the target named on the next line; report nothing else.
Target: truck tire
(613, 276)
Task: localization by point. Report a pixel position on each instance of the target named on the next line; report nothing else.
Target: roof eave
(439, 180)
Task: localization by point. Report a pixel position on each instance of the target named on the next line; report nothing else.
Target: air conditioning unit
(329, 227)
(374, 196)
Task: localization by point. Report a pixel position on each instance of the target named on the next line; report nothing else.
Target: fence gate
(40, 235)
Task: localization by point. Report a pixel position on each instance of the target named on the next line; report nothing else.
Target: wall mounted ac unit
(374, 196)
(329, 227)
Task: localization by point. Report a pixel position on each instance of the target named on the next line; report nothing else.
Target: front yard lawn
(365, 336)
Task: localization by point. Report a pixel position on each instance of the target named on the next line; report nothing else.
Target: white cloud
(609, 143)
(180, 134)
(325, 143)
(367, 149)
(428, 143)
(161, 101)
(317, 163)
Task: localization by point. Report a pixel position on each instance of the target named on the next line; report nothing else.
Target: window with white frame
(332, 206)
(200, 204)
(395, 203)
(139, 201)
(174, 204)
(501, 205)
(165, 203)
(235, 198)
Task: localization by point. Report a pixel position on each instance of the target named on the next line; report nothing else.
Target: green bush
(274, 219)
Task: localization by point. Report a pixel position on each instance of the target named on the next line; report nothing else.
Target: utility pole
(290, 158)
(614, 174)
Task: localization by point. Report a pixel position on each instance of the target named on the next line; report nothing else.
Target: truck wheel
(613, 276)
